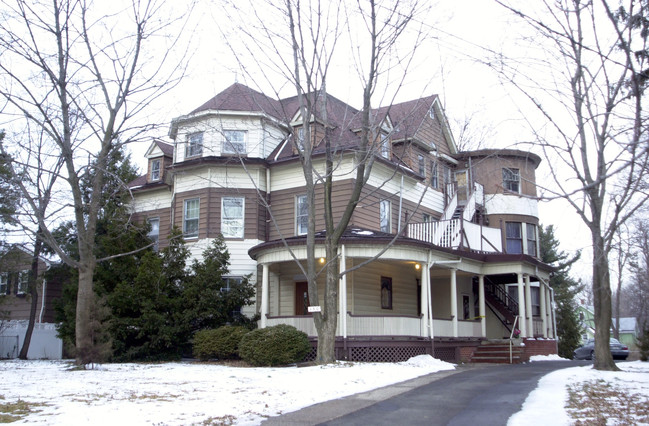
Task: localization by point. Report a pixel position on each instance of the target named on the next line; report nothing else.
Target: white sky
(191, 393)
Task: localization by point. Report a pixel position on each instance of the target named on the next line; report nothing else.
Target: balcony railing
(458, 234)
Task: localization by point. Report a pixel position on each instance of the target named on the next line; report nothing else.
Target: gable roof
(167, 149)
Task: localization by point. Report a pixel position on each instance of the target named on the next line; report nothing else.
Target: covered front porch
(411, 291)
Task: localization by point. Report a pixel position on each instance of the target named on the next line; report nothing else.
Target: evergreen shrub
(220, 343)
(278, 345)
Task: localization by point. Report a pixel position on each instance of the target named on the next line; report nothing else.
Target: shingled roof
(238, 97)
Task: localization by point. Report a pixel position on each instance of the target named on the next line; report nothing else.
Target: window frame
(385, 146)
(421, 162)
(301, 220)
(386, 296)
(187, 220)
(194, 147)
(4, 283)
(155, 237)
(228, 147)
(434, 177)
(155, 170)
(512, 180)
(513, 239)
(230, 223)
(531, 242)
(535, 294)
(22, 282)
(385, 216)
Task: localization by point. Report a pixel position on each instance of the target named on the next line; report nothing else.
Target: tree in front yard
(565, 291)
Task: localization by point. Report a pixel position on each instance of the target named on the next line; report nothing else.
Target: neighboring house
(464, 224)
(629, 327)
(15, 304)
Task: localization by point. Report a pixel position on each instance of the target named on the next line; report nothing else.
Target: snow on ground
(546, 404)
(200, 393)
(188, 393)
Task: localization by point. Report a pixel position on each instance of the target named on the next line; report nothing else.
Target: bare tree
(622, 250)
(301, 50)
(587, 81)
(82, 76)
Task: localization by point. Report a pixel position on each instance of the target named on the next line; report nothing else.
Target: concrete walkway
(484, 394)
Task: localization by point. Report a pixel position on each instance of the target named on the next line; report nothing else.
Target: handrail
(502, 295)
(510, 339)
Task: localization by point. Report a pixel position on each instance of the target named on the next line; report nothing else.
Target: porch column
(264, 294)
(423, 295)
(522, 325)
(543, 310)
(342, 296)
(528, 307)
(481, 308)
(551, 313)
(454, 301)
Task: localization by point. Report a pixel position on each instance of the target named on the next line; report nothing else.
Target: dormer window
(431, 112)
(235, 142)
(155, 170)
(194, 146)
(385, 146)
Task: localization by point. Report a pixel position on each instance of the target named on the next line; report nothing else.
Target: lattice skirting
(373, 350)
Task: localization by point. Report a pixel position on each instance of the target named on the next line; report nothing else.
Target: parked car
(587, 350)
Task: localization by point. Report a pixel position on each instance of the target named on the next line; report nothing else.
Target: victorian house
(454, 233)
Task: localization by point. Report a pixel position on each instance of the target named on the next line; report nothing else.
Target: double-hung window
(23, 282)
(421, 161)
(4, 283)
(232, 216)
(154, 232)
(512, 180)
(514, 237)
(385, 216)
(234, 142)
(190, 218)
(531, 239)
(385, 146)
(434, 180)
(300, 139)
(155, 170)
(194, 146)
(301, 215)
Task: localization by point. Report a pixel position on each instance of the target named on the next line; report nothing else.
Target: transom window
(531, 239)
(194, 145)
(385, 216)
(155, 170)
(191, 215)
(232, 216)
(235, 142)
(511, 180)
(301, 215)
(154, 233)
(514, 237)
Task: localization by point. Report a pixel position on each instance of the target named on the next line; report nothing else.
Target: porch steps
(497, 353)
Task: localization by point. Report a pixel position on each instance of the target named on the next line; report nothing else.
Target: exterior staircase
(497, 352)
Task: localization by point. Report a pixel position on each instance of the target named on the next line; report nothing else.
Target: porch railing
(456, 234)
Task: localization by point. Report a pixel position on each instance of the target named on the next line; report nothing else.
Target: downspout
(43, 296)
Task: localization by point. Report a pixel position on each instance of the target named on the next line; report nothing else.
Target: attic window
(431, 112)
(155, 170)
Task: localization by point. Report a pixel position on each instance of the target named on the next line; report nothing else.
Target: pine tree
(565, 291)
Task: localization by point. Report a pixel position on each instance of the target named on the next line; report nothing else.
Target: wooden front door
(301, 298)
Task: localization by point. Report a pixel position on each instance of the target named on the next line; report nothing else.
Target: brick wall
(539, 347)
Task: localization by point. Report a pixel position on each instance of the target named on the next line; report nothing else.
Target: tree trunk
(602, 305)
(33, 294)
(327, 331)
(83, 323)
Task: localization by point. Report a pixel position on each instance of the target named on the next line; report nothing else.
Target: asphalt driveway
(469, 395)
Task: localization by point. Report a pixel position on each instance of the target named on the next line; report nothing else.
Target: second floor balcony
(458, 234)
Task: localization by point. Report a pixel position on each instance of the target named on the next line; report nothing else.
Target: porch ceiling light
(322, 260)
(417, 266)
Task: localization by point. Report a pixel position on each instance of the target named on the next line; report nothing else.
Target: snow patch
(553, 357)
(427, 361)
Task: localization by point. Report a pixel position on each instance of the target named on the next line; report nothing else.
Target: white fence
(44, 344)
